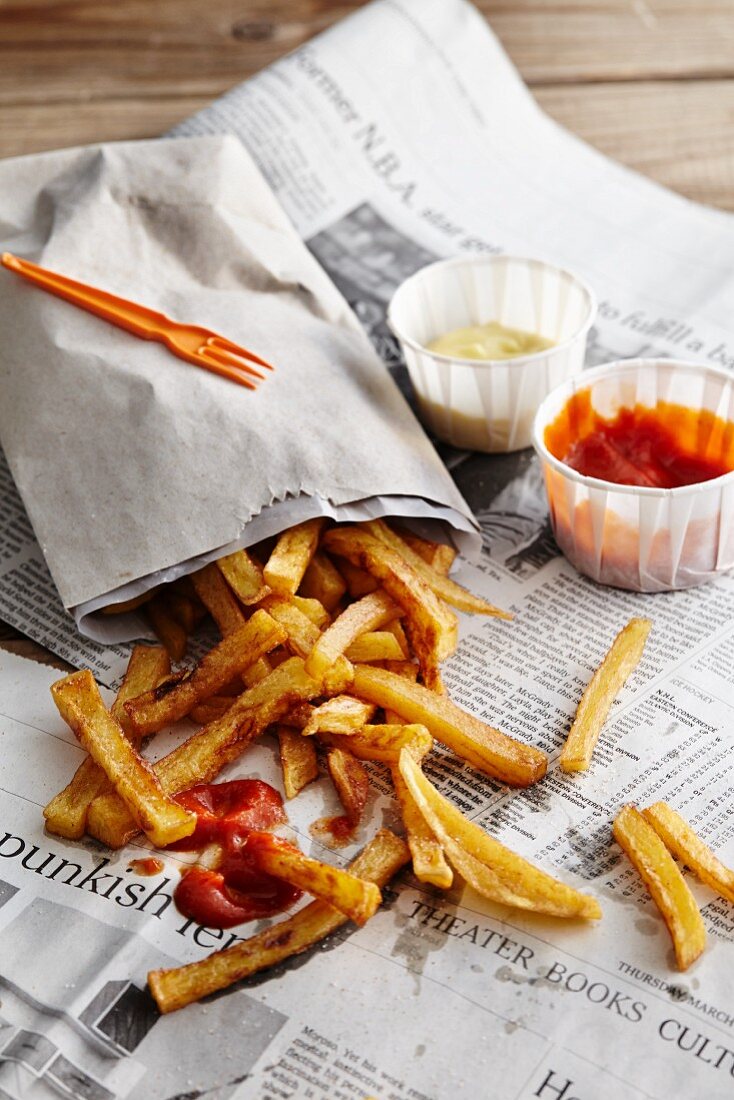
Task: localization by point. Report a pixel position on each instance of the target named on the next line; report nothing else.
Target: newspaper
(400, 135)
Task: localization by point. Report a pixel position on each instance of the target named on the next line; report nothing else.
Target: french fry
(292, 556)
(213, 708)
(351, 782)
(489, 750)
(396, 628)
(218, 599)
(298, 716)
(439, 556)
(256, 672)
(166, 628)
(173, 989)
(604, 686)
(183, 609)
(314, 610)
(342, 714)
(301, 634)
(203, 755)
(323, 581)
(132, 604)
(488, 866)
(66, 813)
(375, 645)
(369, 613)
(682, 842)
(80, 705)
(442, 585)
(356, 898)
(164, 705)
(430, 625)
(244, 575)
(382, 742)
(429, 862)
(297, 759)
(666, 885)
(359, 582)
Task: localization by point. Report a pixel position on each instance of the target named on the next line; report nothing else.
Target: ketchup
(235, 816)
(663, 447)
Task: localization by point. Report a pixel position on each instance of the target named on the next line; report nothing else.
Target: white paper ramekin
(645, 539)
(489, 404)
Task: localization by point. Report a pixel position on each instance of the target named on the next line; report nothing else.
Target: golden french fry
(314, 610)
(297, 759)
(218, 599)
(429, 862)
(396, 628)
(80, 705)
(351, 782)
(66, 813)
(301, 634)
(666, 885)
(292, 556)
(369, 613)
(132, 604)
(359, 583)
(382, 742)
(604, 686)
(213, 708)
(375, 645)
(202, 757)
(244, 575)
(442, 585)
(323, 581)
(439, 556)
(166, 628)
(356, 898)
(491, 868)
(681, 840)
(236, 652)
(298, 716)
(342, 714)
(489, 750)
(173, 989)
(256, 672)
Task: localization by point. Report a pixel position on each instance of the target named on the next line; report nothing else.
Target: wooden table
(650, 82)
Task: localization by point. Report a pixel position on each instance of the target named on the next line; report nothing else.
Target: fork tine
(234, 374)
(223, 344)
(227, 359)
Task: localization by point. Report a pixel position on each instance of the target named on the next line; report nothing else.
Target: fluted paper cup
(645, 539)
(489, 404)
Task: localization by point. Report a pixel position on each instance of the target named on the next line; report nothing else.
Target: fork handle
(135, 318)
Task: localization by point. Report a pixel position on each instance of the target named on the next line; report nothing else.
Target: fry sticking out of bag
(167, 629)
(66, 813)
(292, 556)
(489, 750)
(367, 614)
(439, 556)
(218, 599)
(666, 885)
(297, 759)
(603, 688)
(488, 866)
(323, 581)
(244, 576)
(80, 705)
(680, 839)
(173, 989)
(237, 651)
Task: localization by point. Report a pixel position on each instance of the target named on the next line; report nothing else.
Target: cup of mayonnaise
(485, 339)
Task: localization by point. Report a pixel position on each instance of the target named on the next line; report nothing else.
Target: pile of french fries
(332, 637)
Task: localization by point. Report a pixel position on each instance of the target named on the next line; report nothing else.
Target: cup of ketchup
(638, 459)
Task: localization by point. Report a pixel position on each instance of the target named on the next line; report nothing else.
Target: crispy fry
(218, 598)
(342, 714)
(173, 989)
(292, 556)
(183, 609)
(491, 868)
(66, 813)
(236, 652)
(680, 839)
(323, 581)
(369, 613)
(489, 750)
(314, 610)
(202, 757)
(382, 742)
(429, 862)
(442, 585)
(244, 575)
(166, 628)
(301, 634)
(213, 708)
(351, 782)
(430, 625)
(298, 716)
(439, 556)
(256, 672)
(604, 686)
(396, 628)
(666, 885)
(80, 705)
(297, 759)
(359, 582)
(375, 645)
(132, 604)
(356, 898)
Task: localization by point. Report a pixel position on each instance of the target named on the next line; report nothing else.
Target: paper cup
(489, 404)
(645, 539)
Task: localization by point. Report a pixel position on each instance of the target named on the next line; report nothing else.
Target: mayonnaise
(490, 341)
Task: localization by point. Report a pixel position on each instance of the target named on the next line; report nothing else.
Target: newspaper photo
(401, 135)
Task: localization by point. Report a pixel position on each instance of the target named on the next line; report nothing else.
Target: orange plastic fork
(196, 345)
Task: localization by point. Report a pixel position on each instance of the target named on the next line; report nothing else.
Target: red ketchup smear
(232, 815)
(335, 832)
(663, 447)
(149, 866)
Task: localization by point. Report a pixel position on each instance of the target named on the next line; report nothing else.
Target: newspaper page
(400, 135)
